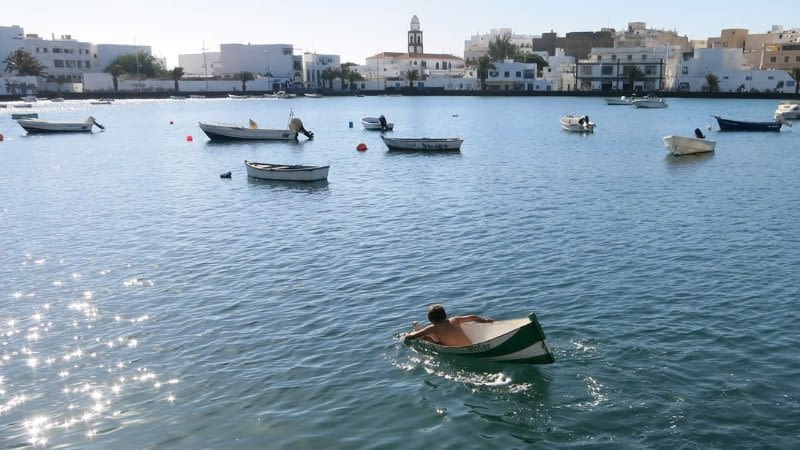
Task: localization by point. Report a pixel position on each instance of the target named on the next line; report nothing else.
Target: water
(147, 303)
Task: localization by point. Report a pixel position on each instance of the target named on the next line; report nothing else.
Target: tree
(713, 82)
(534, 58)
(141, 64)
(244, 77)
(327, 75)
(483, 66)
(177, 74)
(345, 70)
(115, 70)
(502, 48)
(352, 77)
(411, 75)
(633, 74)
(795, 74)
(24, 64)
(336, 72)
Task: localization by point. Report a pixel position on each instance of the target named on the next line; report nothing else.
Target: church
(389, 68)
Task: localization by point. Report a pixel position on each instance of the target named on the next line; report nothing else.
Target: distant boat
(507, 341)
(577, 124)
(57, 99)
(102, 101)
(681, 145)
(29, 98)
(285, 172)
(280, 95)
(423, 144)
(374, 123)
(739, 125)
(238, 97)
(649, 102)
(23, 105)
(35, 126)
(618, 101)
(788, 109)
(197, 96)
(313, 95)
(177, 97)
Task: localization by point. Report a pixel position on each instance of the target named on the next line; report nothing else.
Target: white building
(732, 70)
(200, 65)
(314, 64)
(10, 41)
(560, 70)
(273, 61)
(605, 69)
(65, 59)
(509, 75)
(478, 44)
(105, 54)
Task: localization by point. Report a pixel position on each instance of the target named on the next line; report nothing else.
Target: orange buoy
(361, 147)
(189, 138)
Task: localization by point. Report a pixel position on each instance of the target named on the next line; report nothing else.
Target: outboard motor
(297, 125)
(382, 121)
(698, 134)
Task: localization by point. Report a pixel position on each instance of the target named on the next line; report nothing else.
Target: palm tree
(24, 63)
(502, 48)
(411, 75)
(795, 74)
(244, 77)
(345, 71)
(327, 75)
(176, 74)
(336, 72)
(352, 77)
(483, 66)
(713, 82)
(115, 70)
(633, 74)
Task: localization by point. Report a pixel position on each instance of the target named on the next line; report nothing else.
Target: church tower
(415, 37)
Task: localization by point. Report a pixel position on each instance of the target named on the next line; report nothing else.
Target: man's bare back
(443, 330)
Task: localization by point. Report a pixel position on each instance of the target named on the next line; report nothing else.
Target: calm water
(147, 303)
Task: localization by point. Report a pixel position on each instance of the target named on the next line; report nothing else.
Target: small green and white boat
(515, 341)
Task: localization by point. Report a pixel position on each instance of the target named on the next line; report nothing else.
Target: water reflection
(317, 187)
(672, 161)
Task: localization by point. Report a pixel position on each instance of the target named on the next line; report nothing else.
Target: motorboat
(682, 145)
(238, 97)
(313, 95)
(280, 95)
(508, 341)
(35, 126)
(376, 123)
(740, 125)
(286, 172)
(423, 144)
(649, 102)
(618, 101)
(219, 131)
(577, 124)
(788, 109)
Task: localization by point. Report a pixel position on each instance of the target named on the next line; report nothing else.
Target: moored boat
(788, 109)
(514, 341)
(423, 144)
(102, 101)
(741, 125)
(376, 123)
(57, 99)
(681, 145)
(286, 172)
(649, 102)
(313, 95)
(35, 126)
(16, 116)
(219, 131)
(577, 124)
(618, 101)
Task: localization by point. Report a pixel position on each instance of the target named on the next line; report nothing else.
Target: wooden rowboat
(515, 341)
(423, 144)
(285, 172)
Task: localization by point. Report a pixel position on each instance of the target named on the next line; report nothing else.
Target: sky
(356, 30)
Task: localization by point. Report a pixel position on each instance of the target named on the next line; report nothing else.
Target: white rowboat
(285, 172)
(680, 145)
(218, 131)
(517, 341)
(34, 126)
(649, 102)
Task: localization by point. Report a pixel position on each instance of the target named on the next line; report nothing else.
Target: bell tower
(415, 37)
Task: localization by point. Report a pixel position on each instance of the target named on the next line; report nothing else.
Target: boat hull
(515, 341)
(424, 144)
(222, 132)
(788, 110)
(39, 126)
(738, 125)
(573, 124)
(618, 101)
(652, 104)
(680, 145)
(284, 172)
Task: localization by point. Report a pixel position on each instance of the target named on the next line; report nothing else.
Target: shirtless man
(442, 330)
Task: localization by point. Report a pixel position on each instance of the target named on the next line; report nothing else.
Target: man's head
(436, 313)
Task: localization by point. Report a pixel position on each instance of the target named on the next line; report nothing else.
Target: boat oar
(98, 125)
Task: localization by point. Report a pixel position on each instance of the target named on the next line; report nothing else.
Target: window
(506, 74)
(607, 70)
(613, 57)
(773, 59)
(724, 77)
(58, 63)
(56, 50)
(87, 64)
(80, 63)
(44, 50)
(785, 59)
(287, 51)
(493, 73)
(630, 57)
(649, 70)
(797, 59)
(644, 57)
(770, 77)
(748, 78)
(519, 74)
(586, 70)
(684, 70)
(37, 49)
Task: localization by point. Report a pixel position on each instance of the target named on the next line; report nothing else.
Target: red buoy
(189, 138)
(361, 147)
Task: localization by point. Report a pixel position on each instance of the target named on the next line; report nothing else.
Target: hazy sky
(356, 30)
